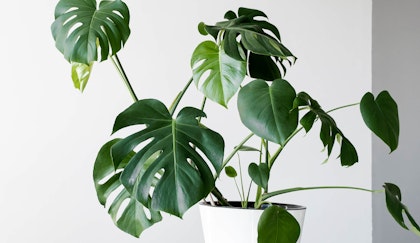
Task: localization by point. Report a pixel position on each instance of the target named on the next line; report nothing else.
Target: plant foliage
(81, 28)
(183, 173)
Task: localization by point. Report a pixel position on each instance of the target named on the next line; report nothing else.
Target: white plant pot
(234, 224)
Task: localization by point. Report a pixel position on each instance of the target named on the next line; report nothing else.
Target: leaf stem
(237, 148)
(278, 151)
(178, 98)
(119, 67)
(295, 189)
(342, 107)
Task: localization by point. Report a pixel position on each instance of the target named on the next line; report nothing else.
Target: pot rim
(237, 206)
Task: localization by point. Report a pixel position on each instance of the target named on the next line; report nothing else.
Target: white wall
(395, 67)
(51, 133)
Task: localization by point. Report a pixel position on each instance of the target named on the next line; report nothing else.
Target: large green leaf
(396, 208)
(329, 130)
(225, 74)
(268, 110)
(257, 36)
(132, 217)
(276, 225)
(184, 175)
(381, 116)
(80, 25)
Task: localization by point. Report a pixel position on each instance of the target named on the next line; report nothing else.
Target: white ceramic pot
(234, 224)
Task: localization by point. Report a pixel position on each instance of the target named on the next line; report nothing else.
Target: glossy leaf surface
(276, 225)
(216, 74)
(268, 110)
(134, 219)
(80, 26)
(184, 175)
(381, 116)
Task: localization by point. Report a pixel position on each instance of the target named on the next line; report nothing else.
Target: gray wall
(396, 64)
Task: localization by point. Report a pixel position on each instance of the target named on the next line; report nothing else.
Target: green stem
(179, 97)
(237, 148)
(119, 67)
(220, 197)
(278, 151)
(295, 189)
(342, 107)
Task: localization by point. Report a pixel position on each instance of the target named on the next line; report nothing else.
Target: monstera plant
(173, 160)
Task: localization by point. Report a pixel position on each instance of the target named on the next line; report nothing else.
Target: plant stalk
(178, 98)
(342, 107)
(119, 67)
(237, 148)
(265, 196)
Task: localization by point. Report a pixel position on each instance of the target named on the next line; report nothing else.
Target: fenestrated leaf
(259, 174)
(186, 177)
(134, 219)
(256, 36)
(225, 74)
(79, 25)
(329, 130)
(268, 110)
(276, 225)
(396, 208)
(381, 116)
(80, 74)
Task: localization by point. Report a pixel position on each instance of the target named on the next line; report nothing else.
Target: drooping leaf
(268, 110)
(135, 217)
(231, 172)
(329, 130)
(259, 174)
(396, 208)
(186, 176)
(253, 34)
(225, 74)
(276, 225)
(381, 116)
(79, 25)
(80, 74)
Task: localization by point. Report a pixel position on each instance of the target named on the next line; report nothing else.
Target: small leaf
(276, 225)
(202, 28)
(259, 174)
(231, 172)
(80, 74)
(396, 208)
(381, 116)
(248, 148)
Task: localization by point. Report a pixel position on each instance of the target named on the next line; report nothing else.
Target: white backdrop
(51, 133)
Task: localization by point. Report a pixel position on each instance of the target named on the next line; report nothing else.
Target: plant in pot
(173, 160)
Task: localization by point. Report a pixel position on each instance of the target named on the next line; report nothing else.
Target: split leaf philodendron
(173, 161)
